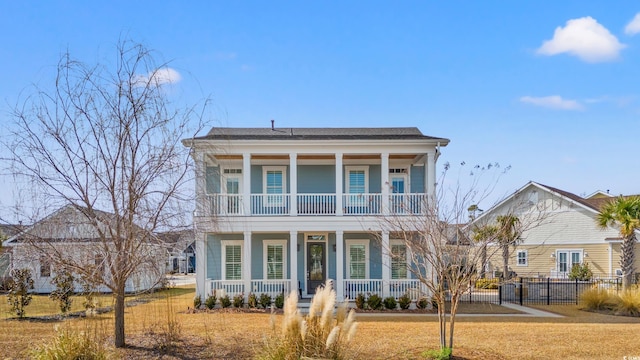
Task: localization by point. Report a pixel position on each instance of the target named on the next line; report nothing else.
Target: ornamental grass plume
(317, 335)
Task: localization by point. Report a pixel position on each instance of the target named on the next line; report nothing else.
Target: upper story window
(274, 182)
(357, 180)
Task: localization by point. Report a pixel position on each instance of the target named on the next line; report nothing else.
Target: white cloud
(245, 67)
(159, 77)
(552, 102)
(584, 38)
(633, 27)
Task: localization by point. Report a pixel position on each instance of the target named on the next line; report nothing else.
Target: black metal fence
(551, 291)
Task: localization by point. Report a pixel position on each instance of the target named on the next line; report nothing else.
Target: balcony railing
(315, 204)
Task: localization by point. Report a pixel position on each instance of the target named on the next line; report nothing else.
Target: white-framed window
(357, 259)
(522, 258)
(45, 266)
(232, 259)
(232, 187)
(399, 260)
(357, 179)
(275, 259)
(566, 259)
(274, 184)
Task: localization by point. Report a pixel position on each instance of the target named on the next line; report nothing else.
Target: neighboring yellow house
(559, 231)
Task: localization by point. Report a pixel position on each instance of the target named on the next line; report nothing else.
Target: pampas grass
(317, 335)
(597, 299)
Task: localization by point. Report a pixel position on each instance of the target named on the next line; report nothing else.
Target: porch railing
(365, 204)
(411, 287)
(365, 286)
(271, 287)
(226, 287)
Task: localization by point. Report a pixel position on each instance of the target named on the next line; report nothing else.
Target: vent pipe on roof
(273, 124)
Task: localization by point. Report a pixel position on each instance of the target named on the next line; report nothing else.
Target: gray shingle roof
(316, 133)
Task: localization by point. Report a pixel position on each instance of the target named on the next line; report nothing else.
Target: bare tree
(446, 251)
(105, 141)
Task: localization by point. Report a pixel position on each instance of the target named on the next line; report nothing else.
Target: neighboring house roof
(177, 241)
(69, 223)
(317, 134)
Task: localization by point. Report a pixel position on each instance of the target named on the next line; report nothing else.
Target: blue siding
(331, 266)
(316, 179)
(212, 179)
(375, 179)
(256, 179)
(301, 274)
(214, 254)
(375, 254)
(417, 179)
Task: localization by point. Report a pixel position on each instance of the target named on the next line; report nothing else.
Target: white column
(201, 264)
(246, 264)
(339, 184)
(293, 184)
(340, 265)
(386, 264)
(246, 183)
(293, 259)
(430, 177)
(384, 162)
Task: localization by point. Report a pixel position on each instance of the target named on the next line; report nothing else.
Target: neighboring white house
(70, 233)
(280, 209)
(181, 248)
(560, 232)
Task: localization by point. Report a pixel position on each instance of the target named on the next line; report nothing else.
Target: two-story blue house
(280, 209)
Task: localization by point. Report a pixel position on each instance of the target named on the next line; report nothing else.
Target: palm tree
(508, 235)
(482, 235)
(623, 212)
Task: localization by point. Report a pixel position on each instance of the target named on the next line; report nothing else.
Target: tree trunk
(627, 258)
(483, 261)
(119, 315)
(505, 262)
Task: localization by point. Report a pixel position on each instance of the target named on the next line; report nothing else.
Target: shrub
(580, 272)
(210, 302)
(440, 354)
(318, 335)
(390, 303)
(628, 303)
(597, 299)
(63, 282)
(279, 301)
(225, 301)
(360, 301)
(252, 302)
(422, 303)
(67, 344)
(197, 302)
(404, 301)
(265, 300)
(374, 302)
(487, 283)
(238, 301)
(19, 286)
(88, 292)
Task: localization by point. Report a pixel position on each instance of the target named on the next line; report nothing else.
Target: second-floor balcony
(369, 204)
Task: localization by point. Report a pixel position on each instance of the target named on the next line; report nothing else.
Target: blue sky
(550, 88)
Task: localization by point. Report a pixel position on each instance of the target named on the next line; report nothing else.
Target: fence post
(548, 291)
(500, 294)
(576, 291)
(521, 291)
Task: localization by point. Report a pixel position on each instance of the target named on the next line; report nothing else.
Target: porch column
(384, 162)
(201, 264)
(203, 207)
(339, 184)
(430, 176)
(293, 260)
(386, 264)
(246, 183)
(340, 265)
(246, 264)
(293, 184)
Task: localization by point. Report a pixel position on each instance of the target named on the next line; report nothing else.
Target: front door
(316, 266)
(233, 187)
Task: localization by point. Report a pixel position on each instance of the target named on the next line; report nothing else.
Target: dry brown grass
(579, 335)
